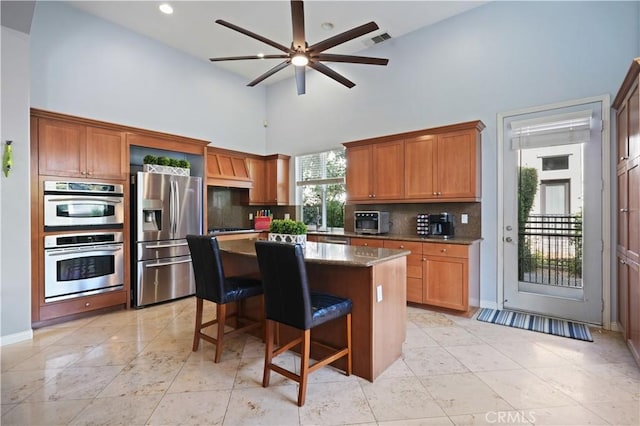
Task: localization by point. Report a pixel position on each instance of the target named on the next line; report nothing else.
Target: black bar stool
(289, 301)
(212, 285)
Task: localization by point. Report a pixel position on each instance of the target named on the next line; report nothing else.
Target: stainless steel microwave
(371, 222)
(82, 205)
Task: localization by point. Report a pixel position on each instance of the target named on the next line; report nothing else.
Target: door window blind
(560, 129)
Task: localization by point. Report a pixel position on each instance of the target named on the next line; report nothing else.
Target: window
(554, 196)
(555, 163)
(320, 189)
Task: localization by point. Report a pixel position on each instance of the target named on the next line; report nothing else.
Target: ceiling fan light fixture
(300, 60)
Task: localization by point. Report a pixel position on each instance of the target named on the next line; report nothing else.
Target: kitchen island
(373, 278)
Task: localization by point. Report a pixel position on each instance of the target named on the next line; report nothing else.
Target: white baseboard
(489, 304)
(16, 337)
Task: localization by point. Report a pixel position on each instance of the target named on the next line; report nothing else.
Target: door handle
(509, 239)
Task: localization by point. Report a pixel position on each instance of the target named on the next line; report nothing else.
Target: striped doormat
(537, 323)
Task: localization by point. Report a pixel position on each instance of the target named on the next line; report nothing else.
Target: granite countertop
(400, 237)
(328, 254)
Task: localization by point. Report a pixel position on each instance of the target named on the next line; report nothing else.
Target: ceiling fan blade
(241, 58)
(343, 37)
(253, 35)
(297, 22)
(331, 73)
(328, 57)
(269, 73)
(300, 80)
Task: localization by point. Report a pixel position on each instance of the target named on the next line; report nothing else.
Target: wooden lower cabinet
(414, 267)
(367, 242)
(631, 275)
(446, 282)
(451, 275)
(438, 274)
(634, 310)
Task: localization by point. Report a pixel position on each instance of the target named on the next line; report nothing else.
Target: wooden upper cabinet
(277, 180)
(61, 148)
(75, 150)
(440, 164)
(359, 171)
(270, 178)
(457, 166)
(622, 144)
(257, 173)
(420, 156)
(106, 154)
(375, 172)
(388, 170)
(634, 124)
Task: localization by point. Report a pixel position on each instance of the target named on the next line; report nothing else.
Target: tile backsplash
(227, 207)
(403, 216)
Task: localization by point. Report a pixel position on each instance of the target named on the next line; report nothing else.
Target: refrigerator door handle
(171, 209)
(159, 264)
(177, 200)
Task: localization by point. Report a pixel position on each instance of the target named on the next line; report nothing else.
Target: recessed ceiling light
(326, 26)
(166, 8)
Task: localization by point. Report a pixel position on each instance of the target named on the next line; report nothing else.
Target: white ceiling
(192, 28)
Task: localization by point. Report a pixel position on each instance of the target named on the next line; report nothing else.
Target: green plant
(163, 161)
(527, 188)
(150, 159)
(173, 162)
(184, 164)
(287, 226)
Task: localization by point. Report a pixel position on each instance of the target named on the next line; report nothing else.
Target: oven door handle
(157, 246)
(103, 199)
(158, 264)
(64, 251)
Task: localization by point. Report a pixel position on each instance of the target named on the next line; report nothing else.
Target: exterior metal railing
(550, 250)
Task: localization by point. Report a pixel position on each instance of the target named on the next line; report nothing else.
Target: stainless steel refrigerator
(165, 209)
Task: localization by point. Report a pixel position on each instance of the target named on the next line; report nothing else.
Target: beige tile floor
(136, 367)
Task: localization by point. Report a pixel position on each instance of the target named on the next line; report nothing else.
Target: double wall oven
(83, 245)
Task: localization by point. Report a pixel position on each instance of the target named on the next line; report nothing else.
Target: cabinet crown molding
(468, 125)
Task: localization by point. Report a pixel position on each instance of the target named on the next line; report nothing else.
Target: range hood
(228, 169)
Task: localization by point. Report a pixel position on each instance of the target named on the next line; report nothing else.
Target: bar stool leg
(268, 352)
(196, 333)
(305, 352)
(221, 316)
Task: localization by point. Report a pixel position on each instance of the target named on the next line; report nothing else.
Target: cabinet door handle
(624, 158)
(402, 246)
(623, 262)
(370, 195)
(624, 210)
(435, 193)
(443, 250)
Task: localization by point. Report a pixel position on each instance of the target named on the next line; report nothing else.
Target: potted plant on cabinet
(288, 231)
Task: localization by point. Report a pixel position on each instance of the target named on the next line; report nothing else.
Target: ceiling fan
(301, 55)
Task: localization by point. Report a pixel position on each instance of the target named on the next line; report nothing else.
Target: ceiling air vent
(380, 38)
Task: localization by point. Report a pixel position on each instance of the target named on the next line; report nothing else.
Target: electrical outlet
(464, 218)
(379, 293)
(250, 216)
(287, 216)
